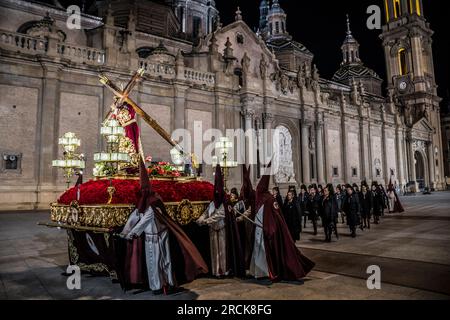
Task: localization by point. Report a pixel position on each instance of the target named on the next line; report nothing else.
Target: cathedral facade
(200, 74)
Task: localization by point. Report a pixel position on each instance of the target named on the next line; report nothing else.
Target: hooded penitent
(187, 262)
(284, 259)
(247, 191)
(219, 189)
(246, 228)
(235, 255)
(398, 208)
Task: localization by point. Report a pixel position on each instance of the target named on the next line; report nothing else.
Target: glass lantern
(72, 163)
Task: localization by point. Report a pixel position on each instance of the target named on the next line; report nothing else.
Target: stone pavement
(412, 250)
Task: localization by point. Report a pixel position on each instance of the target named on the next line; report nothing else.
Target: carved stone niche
(419, 145)
(283, 156)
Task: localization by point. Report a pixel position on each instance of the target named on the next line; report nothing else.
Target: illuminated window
(387, 10)
(414, 8)
(397, 9)
(402, 62)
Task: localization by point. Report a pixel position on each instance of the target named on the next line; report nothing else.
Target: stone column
(369, 150)
(305, 153)
(386, 170)
(405, 157)
(268, 141)
(362, 155)
(345, 170)
(48, 148)
(412, 162)
(249, 145)
(431, 165)
(399, 154)
(179, 107)
(319, 152)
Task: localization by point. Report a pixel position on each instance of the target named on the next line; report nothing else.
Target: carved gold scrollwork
(111, 216)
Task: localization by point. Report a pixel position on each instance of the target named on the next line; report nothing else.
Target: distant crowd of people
(358, 206)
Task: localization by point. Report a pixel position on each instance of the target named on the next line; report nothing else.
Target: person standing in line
(377, 201)
(340, 195)
(365, 198)
(292, 216)
(303, 201)
(277, 195)
(352, 209)
(314, 207)
(329, 212)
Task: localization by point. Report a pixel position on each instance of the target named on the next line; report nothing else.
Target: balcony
(81, 54)
(22, 43)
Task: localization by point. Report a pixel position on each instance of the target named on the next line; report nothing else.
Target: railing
(168, 71)
(207, 78)
(19, 42)
(81, 54)
(157, 69)
(23, 43)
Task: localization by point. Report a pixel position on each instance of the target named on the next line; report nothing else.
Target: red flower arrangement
(94, 192)
(162, 169)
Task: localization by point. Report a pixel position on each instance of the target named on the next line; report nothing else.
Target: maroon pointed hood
(262, 190)
(247, 191)
(247, 187)
(219, 192)
(144, 198)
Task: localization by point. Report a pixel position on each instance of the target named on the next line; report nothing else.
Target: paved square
(412, 250)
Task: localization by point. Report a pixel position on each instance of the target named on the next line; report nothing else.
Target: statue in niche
(284, 162)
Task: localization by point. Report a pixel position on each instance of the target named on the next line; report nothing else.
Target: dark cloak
(284, 259)
(246, 228)
(234, 254)
(187, 263)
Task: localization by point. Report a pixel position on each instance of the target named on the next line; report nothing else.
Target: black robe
(292, 217)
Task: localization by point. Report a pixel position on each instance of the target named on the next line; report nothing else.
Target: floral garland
(161, 169)
(94, 192)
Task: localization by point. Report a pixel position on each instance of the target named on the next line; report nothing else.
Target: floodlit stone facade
(224, 77)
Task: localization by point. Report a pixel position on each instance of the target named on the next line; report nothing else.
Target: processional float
(94, 211)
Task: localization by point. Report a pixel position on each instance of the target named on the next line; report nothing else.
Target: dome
(276, 8)
(350, 71)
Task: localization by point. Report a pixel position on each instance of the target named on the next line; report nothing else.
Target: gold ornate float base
(112, 216)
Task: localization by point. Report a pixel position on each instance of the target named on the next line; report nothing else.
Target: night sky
(320, 25)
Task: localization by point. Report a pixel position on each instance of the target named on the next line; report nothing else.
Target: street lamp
(72, 162)
(222, 147)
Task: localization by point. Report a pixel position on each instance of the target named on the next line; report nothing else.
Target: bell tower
(407, 43)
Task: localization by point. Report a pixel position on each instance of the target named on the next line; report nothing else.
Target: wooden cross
(122, 96)
(137, 76)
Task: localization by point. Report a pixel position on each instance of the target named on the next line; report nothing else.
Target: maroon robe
(246, 228)
(187, 262)
(284, 259)
(234, 254)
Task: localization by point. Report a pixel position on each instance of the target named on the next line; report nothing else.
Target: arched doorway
(420, 169)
